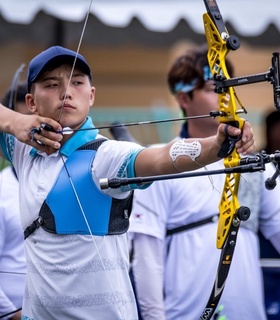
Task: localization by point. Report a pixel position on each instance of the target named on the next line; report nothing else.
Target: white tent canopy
(249, 18)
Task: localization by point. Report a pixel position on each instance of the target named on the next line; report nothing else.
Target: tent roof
(249, 18)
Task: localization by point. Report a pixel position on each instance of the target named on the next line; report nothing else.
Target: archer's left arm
(190, 154)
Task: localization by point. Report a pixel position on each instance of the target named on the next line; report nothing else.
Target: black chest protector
(75, 205)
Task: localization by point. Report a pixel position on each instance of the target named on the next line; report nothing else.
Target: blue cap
(53, 58)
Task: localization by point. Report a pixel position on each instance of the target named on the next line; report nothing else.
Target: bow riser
(217, 53)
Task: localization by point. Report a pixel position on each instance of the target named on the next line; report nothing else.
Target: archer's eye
(77, 82)
(51, 84)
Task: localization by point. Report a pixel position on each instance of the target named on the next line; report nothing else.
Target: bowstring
(65, 166)
(75, 59)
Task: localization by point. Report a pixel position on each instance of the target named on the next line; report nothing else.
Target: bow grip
(228, 145)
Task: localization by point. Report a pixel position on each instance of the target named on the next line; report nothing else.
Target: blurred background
(130, 45)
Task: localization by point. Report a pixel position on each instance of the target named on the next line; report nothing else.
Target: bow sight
(272, 76)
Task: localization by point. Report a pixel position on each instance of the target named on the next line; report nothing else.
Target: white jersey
(12, 258)
(73, 276)
(191, 257)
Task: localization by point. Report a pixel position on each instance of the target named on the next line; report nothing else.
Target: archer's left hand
(246, 143)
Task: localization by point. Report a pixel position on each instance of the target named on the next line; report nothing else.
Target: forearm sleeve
(148, 271)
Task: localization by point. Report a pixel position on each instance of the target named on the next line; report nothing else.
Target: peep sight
(272, 76)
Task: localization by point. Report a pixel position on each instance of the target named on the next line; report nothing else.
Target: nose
(66, 92)
(66, 95)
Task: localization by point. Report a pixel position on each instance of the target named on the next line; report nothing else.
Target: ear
(30, 102)
(92, 96)
(183, 100)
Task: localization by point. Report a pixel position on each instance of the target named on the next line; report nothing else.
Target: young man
(174, 274)
(76, 241)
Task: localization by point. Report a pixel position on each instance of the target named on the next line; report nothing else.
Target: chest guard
(82, 209)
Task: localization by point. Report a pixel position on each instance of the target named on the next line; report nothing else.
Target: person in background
(272, 126)
(174, 269)
(76, 242)
(270, 258)
(12, 258)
